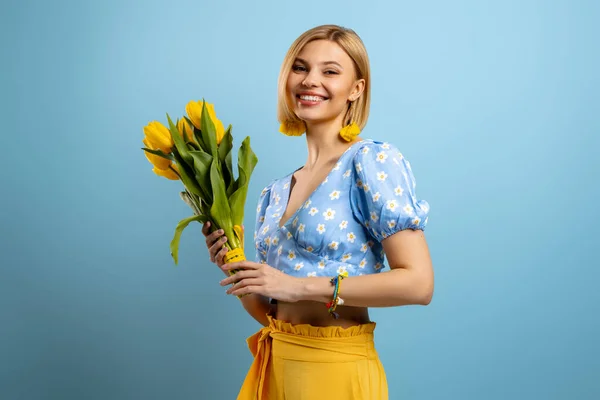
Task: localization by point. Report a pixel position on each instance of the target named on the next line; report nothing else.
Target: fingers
(216, 247)
(206, 228)
(241, 265)
(240, 276)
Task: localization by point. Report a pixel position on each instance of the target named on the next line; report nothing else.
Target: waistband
(304, 342)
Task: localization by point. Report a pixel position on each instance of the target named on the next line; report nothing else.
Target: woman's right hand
(215, 242)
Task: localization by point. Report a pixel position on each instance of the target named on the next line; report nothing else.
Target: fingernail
(224, 239)
(221, 231)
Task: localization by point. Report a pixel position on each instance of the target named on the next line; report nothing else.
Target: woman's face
(322, 81)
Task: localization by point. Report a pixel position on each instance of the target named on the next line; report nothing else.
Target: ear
(359, 87)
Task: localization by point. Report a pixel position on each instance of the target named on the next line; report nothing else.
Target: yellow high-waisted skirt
(305, 362)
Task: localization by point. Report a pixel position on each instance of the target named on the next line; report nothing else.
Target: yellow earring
(292, 128)
(349, 132)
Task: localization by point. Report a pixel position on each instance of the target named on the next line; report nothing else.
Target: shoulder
(371, 151)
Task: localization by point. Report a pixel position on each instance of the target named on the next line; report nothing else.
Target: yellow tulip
(194, 112)
(167, 173)
(188, 129)
(158, 136)
(157, 161)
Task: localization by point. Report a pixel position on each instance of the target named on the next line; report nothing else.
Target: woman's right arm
(256, 305)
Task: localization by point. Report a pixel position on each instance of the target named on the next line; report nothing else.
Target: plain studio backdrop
(495, 104)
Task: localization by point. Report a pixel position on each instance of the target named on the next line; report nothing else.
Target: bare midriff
(316, 314)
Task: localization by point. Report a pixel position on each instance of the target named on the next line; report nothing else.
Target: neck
(325, 144)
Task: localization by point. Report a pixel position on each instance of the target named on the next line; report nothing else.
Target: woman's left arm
(410, 280)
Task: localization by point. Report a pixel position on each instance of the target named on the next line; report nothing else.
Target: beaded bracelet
(337, 300)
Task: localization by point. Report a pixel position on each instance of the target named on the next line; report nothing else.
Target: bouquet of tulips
(197, 150)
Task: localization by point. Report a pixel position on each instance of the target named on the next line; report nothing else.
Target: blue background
(494, 103)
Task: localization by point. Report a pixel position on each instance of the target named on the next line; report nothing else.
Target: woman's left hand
(262, 279)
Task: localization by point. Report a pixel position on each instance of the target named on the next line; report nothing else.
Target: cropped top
(368, 196)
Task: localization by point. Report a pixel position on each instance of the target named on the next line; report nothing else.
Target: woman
(322, 233)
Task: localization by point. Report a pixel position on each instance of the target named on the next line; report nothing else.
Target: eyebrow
(323, 63)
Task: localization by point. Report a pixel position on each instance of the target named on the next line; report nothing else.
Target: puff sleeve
(383, 196)
(261, 210)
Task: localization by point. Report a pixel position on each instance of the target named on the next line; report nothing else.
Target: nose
(310, 80)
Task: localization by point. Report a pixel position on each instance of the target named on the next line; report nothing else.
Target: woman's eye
(331, 72)
(298, 68)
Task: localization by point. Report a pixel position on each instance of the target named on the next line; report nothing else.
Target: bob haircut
(351, 43)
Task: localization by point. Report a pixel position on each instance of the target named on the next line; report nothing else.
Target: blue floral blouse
(368, 196)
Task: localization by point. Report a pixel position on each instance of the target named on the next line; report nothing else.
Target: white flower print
(346, 174)
(313, 211)
(329, 214)
(346, 257)
(400, 155)
(289, 235)
(265, 229)
(326, 180)
(261, 218)
(275, 215)
(337, 166)
(307, 203)
(275, 241)
(309, 248)
(255, 236)
(391, 224)
(364, 247)
(381, 176)
(358, 167)
(374, 216)
(321, 264)
(365, 150)
(334, 195)
(258, 208)
(277, 198)
(384, 235)
(341, 269)
(416, 221)
(312, 274)
(399, 190)
(268, 240)
(362, 263)
(279, 250)
(301, 228)
(333, 245)
(321, 229)
(351, 236)
(378, 266)
(366, 187)
(343, 224)
(376, 196)
(408, 209)
(299, 266)
(291, 255)
(391, 205)
(287, 185)
(385, 145)
(359, 183)
(381, 157)
(264, 191)
(295, 222)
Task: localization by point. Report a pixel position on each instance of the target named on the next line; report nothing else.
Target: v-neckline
(288, 181)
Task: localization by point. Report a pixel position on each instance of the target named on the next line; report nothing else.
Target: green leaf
(174, 246)
(209, 135)
(225, 148)
(180, 143)
(219, 210)
(202, 163)
(185, 173)
(159, 153)
(247, 160)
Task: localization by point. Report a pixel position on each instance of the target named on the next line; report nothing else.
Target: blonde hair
(351, 43)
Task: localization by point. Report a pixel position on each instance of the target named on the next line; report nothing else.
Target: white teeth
(312, 98)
